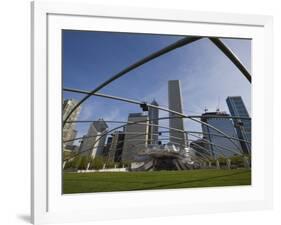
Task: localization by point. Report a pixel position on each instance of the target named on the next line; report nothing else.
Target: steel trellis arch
(136, 102)
(165, 50)
(113, 129)
(217, 135)
(160, 126)
(180, 43)
(132, 101)
(148, 58)
(124, 122)
(143, 122)
(209, 157)
(232, 57)
(167, 110)
(219, 146)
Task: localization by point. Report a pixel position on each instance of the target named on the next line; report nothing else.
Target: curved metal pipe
(177, 44)
(233, 58)
(200, 153)
(217, 135)
(139, 122)
(203, 148)
(219, 146)
(113, 129)
(167, 110)
(208, 125)
(136, 102)
(219, 117)
(171, 143)
(218, 152)
(195, 132)
(132, 101)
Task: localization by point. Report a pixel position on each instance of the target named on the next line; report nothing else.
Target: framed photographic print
(149, 112)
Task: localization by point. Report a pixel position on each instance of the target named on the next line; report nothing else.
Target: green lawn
(130, 181)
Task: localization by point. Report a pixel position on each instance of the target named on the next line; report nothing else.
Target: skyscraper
(175, 103)
(219, 144)
(243, 127)
(201, 148)
(93, 143)
(116, 148)
(136, 136)
(69, 131)
(107, 147)
(153, 115)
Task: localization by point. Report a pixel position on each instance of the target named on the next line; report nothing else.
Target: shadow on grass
(191, 181)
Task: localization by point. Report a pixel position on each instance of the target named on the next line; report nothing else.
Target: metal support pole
(232, 57)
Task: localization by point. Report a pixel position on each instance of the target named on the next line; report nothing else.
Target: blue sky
(207, 76)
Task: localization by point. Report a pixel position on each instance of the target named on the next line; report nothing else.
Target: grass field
(131, 181)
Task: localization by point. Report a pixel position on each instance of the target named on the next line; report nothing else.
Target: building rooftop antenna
(218, 107)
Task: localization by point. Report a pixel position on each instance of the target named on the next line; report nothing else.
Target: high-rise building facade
(136, 136)
(116, 148)
(175, 103)
(71, 134)
(69, 131)
(93, 143)
(243, 126)
(153, 115)
(107, 147)
(218, 144)
(201, 148)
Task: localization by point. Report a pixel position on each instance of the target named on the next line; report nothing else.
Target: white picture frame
(48, 205)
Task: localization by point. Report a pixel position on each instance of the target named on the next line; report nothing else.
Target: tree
(83, 162)
(222, 161)
(237, 161)
(96, 163)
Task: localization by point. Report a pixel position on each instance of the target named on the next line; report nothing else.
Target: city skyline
(121, 133)
(137, 135)
(149, 83)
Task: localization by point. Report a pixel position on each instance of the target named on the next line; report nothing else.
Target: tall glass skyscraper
(218, 144)
(243, 127)
(175, 103)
